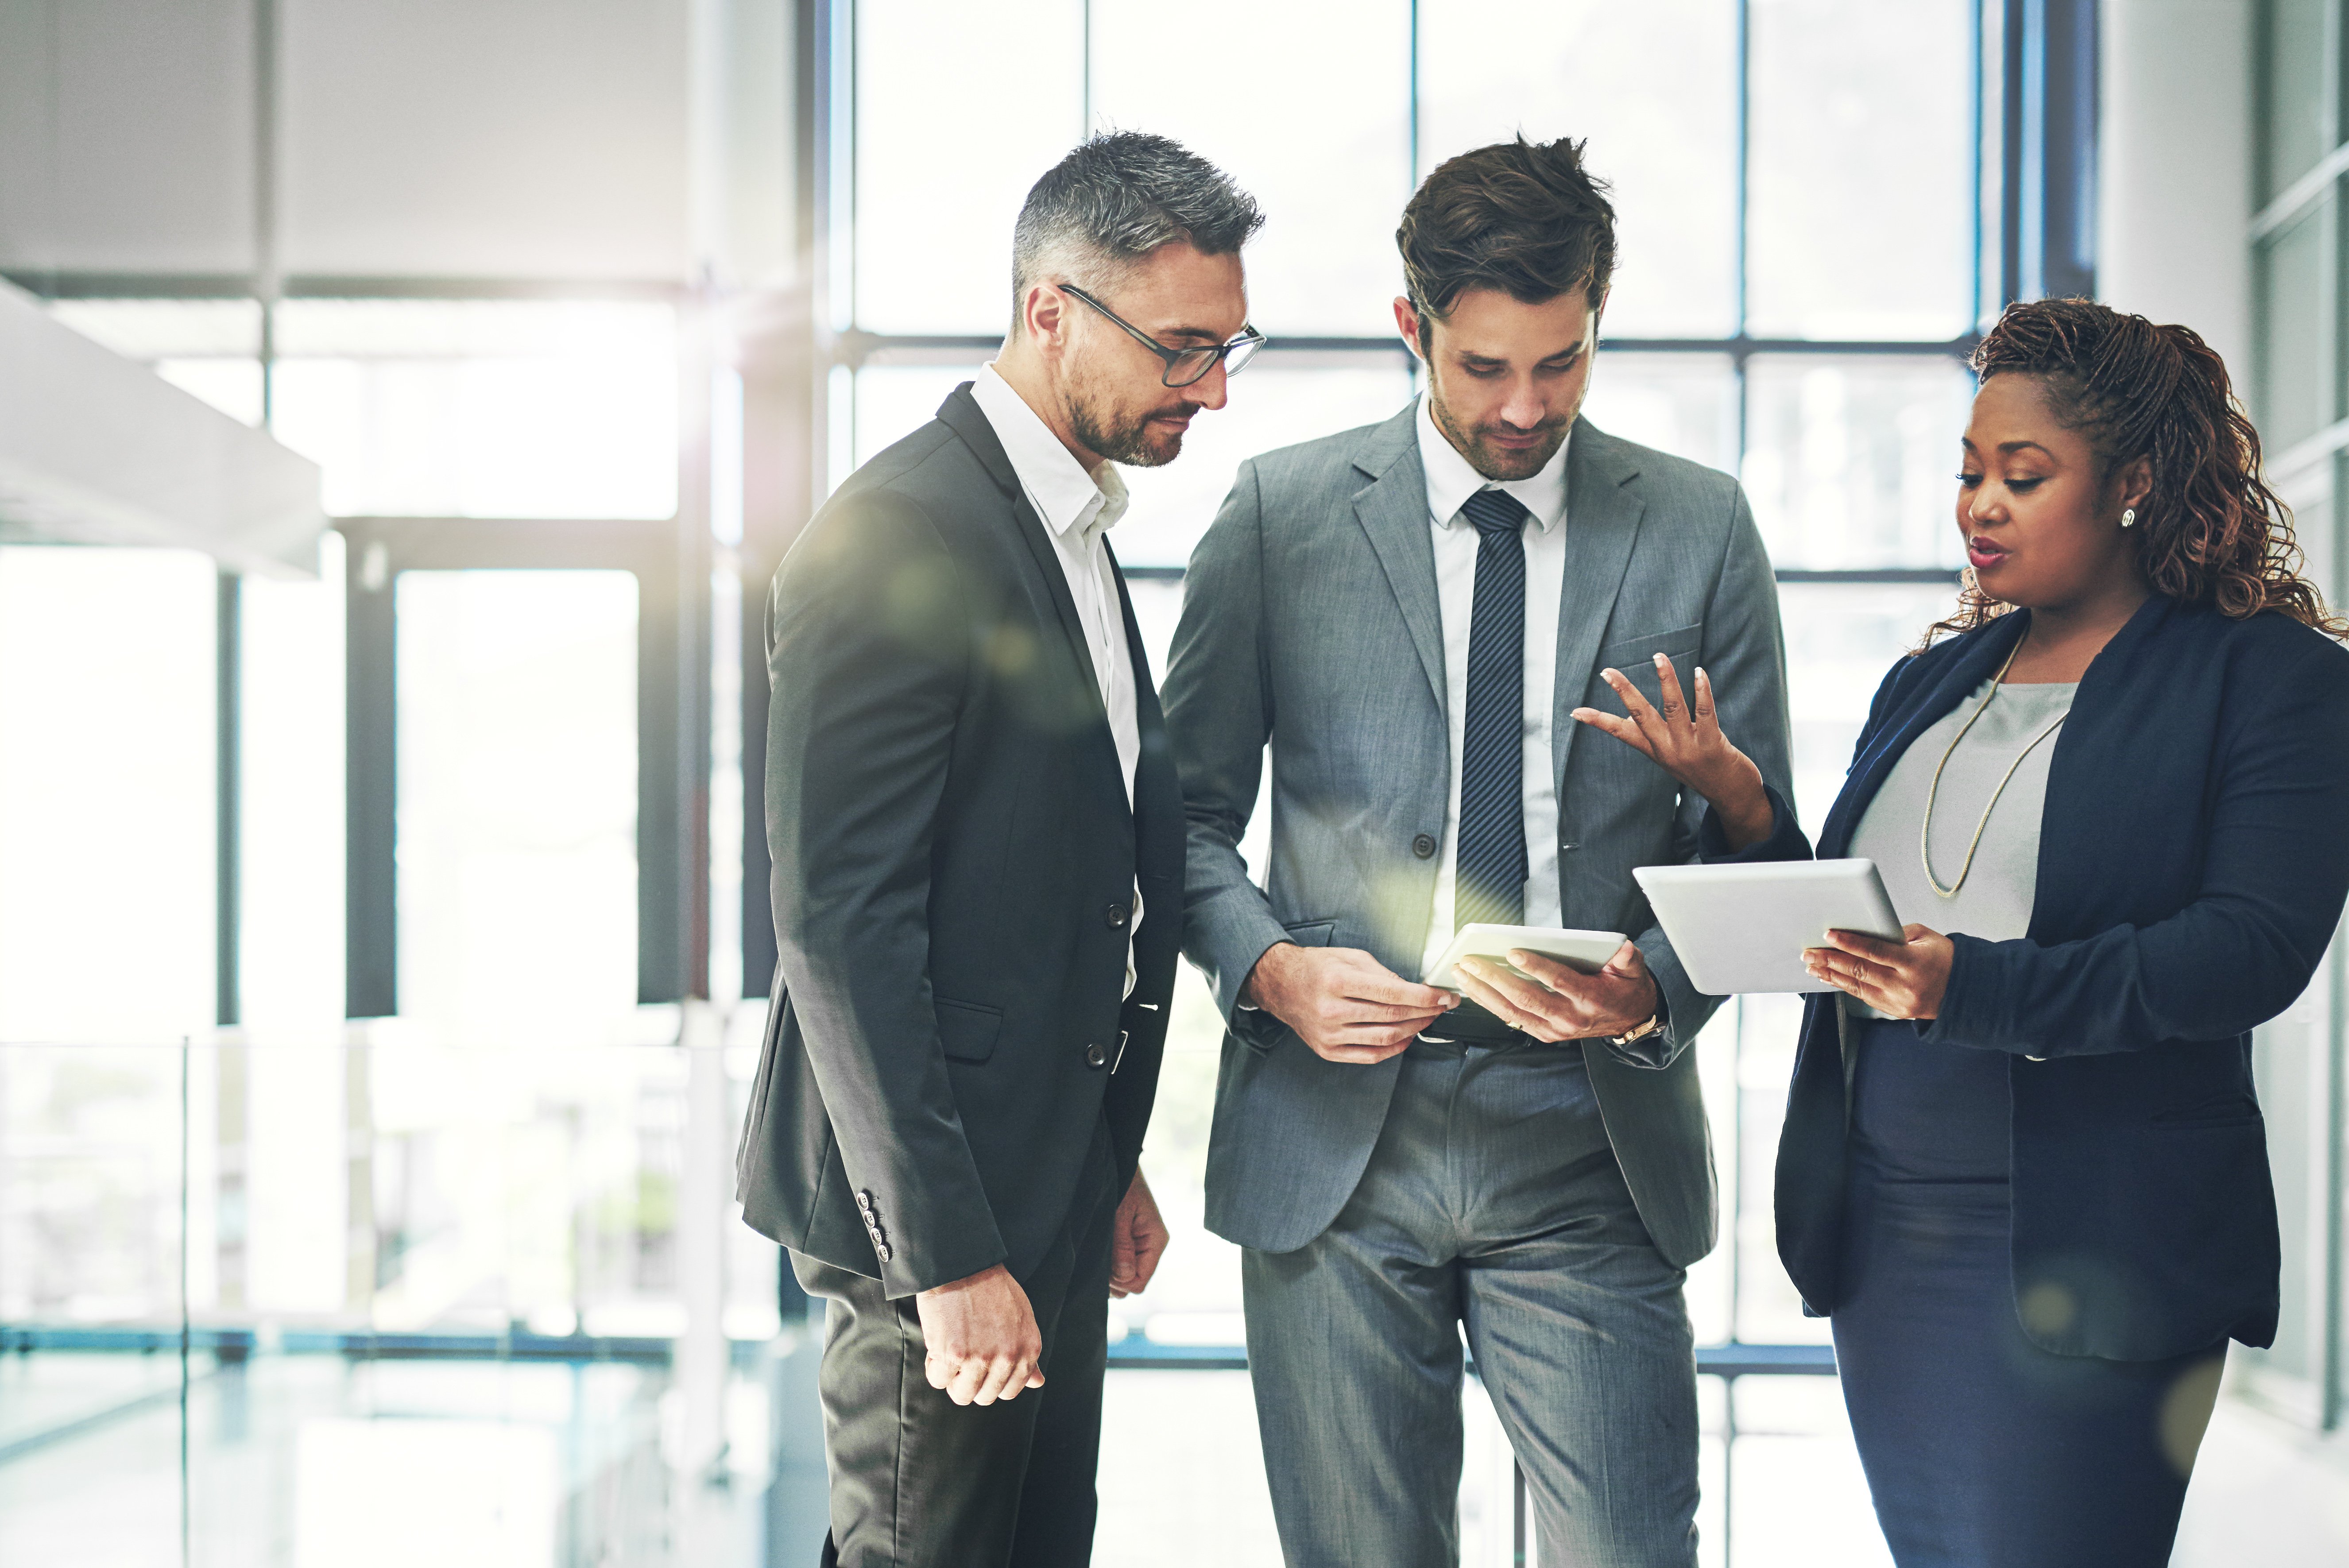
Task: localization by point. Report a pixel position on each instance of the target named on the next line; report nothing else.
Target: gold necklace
(1925, 834)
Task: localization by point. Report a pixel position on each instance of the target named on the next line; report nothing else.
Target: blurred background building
(403, 405)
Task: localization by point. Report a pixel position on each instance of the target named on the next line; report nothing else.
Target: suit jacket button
(865, 1203)
(1116, 917)
(1096, 1057)
(881, 1250)
(1423, 845)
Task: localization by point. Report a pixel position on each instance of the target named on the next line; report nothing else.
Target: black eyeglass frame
(1249, 340)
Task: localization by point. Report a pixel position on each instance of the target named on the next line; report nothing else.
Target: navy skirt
(1982, 1450)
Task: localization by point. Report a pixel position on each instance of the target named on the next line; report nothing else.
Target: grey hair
(1114, 200)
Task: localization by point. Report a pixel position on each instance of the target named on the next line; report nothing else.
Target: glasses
(1185, 366)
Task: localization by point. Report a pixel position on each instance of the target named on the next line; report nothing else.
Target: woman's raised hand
(1684, 738)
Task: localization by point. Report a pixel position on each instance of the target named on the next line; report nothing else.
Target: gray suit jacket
(1309, 620)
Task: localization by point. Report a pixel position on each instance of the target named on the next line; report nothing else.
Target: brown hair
(2210, 532)
(1522, 217)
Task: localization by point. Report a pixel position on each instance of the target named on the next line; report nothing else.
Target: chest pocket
(1636, 658)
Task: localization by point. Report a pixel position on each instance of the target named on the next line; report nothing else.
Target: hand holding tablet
(1741, 929)
(1586, 953)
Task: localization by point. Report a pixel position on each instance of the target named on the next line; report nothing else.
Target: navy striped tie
(1491, 861)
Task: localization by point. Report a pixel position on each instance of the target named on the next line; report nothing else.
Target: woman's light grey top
(1995, 902)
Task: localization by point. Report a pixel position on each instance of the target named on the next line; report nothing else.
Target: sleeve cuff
(1786, 841)
(1651, 1052)
(1963, 1018)
(1238, 961)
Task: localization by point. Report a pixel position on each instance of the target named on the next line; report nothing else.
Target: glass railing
(375, 1299)
(378, 1296)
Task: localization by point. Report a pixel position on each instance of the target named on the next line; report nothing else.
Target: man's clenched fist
(981, 1336)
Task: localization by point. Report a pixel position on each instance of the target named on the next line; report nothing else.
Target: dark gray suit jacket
(954, 866)
(1310, 621)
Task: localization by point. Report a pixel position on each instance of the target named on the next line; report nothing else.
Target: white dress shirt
(1077, 511)
(1450, 483)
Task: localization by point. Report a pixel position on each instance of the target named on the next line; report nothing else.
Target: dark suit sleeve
(1218, 701)
(2274, 872)
(1786, 840)
(1745, 654)
(868, 635)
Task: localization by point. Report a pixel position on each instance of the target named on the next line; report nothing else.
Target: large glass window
(2298, 397)
(482, 408)
(1799, 200)
(957, 105)
(1653, 88)
(2296, 366)
(519, 1181)
(517, 751)
(1851, 463)
(1325, 147)
(107, 795)
(1860, 217)
(2296, 107)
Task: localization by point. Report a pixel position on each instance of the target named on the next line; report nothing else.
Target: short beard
(1128, 443)
(1500, 466)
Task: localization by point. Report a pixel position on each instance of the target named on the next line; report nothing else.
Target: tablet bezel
(1739, 929)
(1482, 939)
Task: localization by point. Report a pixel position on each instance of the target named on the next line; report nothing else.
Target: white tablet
(1587, 952)
(1743, 928)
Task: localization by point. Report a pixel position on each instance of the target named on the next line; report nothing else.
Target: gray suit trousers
(1492, 1200)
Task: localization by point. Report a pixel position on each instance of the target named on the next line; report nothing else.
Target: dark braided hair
(2209, 531)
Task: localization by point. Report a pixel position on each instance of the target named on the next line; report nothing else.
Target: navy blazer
(2193, 860)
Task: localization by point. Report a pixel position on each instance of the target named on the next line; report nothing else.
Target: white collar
(1070, 501)
(1451, 480)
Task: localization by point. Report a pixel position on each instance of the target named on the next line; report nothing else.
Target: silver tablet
(1587, 952)
(1743, 928)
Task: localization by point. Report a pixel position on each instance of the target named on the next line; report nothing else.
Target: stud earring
(2129, 518)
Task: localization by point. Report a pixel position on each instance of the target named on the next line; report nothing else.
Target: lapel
(961, 413)
(1392, 510)
(1602, 523)
(1973, 665)
(1158, 794)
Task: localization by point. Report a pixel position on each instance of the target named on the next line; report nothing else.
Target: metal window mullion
(2330, 302)
(2011, 152)
(2332, 1160)
(228, 804)
(839, 119)
(1412, 131)
(1742, 152)
(1981, 117)
(371, 875)
(1741, 401)
(2333, 1392)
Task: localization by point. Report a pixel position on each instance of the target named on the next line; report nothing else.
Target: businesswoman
(2023, 1168)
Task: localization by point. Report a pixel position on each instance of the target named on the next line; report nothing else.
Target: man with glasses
(1409, 615)
(977, 843)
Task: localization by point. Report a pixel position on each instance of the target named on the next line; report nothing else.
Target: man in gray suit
(1410, 614)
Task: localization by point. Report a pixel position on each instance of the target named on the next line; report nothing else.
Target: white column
(2175, 197)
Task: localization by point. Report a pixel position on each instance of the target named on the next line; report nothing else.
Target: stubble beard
(1492, 462)
(1128, 441)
